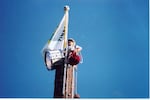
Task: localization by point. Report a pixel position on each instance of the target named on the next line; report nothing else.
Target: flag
(58, 40)
(53, 49)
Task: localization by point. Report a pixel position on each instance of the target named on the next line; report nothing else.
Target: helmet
(71, 39)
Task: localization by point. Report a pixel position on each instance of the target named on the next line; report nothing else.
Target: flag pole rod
(66, 9)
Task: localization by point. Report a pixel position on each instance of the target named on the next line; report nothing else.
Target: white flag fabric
(53, 50)
(59, 37)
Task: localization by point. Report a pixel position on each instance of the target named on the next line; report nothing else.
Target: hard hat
(71, 39)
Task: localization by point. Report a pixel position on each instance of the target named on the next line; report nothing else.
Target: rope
(76, 80)
(81, 57)
(73, 84)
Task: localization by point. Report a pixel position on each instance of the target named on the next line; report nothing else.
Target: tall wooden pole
(69, 87)
(69, 82)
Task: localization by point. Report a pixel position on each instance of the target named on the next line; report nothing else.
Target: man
(73, 52)
(72, 45)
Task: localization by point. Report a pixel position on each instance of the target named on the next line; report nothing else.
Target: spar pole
(66, 9)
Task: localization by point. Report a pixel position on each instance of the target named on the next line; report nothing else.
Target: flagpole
(66, 9)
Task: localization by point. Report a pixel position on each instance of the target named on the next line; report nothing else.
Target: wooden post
(58, 86)
(69, 82)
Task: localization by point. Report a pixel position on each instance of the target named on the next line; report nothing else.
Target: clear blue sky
(113, 34)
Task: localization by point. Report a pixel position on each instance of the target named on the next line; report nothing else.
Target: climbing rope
(76, 80)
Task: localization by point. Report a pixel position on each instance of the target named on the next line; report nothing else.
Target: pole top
(66, 8)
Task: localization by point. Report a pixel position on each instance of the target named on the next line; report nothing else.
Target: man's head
(71, 42)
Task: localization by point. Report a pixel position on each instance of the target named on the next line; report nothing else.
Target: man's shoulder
(77, 46)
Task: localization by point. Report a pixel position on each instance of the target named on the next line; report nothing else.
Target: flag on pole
(58, 41)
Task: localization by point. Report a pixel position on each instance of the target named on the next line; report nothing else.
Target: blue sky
(113, 34)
